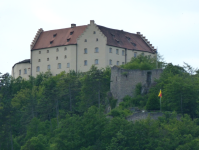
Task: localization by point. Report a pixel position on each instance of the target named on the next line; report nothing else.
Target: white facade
(91, 48)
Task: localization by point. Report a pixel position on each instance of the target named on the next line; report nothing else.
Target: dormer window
(117, 41)
(112, 35)
(68, 40)
(54, 35)
(128, 38)
(51, 42)
(133, 44)
(71, 32)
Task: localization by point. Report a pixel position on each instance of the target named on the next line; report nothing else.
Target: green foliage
(141, 62)
(138, 89)
(153, 103)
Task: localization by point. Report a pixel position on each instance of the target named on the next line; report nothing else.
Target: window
(142, 54)
(122, 63)
(38, 69)
(117, 51)
(47, 51)
(48, 67)
(65, 56)
(65, 48)
(56, 58)
(94, 32)
(85, 40)
(47, 59)
(54, 35)
(19, 72)
(68, 40)
(96, 62)
(135, 54)
(123, 53)
(85, 62)
(85, 51)
(71, 32)
(39, 52)
(51, 42)
(25, 71)
(133, 44)
(110, 50)
(96, 39)
(68, 65)
(59, 66)
(110, 62)
(57, 50)
(39, 60)
(96, 50)
(118, 63)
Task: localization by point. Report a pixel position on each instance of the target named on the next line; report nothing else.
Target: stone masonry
(123, 81)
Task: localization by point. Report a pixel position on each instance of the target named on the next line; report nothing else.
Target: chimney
(138, 33)
(92, 21)
(73, 25)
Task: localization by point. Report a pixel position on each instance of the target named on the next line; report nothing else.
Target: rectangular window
(25, 71)
(57, 50)
(38, 69)
(85, 51)
(118, 63)
(85, 62)
(48, 67)
(142, 54)
(68, 65)
(39, 60)
(59, 66)
(47, 51)
(135, 54)
(39, 52)
(123, 53)
(122, 63)
(96, 62)
(96, 50)
(65, 56)
(117, 51)
(56, 58)
(19, 72)
(110, 50)
(110, 62)
(47, 59)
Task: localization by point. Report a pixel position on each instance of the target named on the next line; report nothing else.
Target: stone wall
(144, 115)
(123, 81)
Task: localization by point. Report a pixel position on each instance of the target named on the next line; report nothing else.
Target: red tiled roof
(117, 38)
(120, 38)
(60, 39)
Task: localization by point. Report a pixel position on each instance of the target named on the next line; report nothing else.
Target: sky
(171, 26)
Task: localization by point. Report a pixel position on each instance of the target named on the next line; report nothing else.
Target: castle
(79, 47)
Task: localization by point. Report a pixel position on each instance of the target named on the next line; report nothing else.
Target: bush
(153, 103)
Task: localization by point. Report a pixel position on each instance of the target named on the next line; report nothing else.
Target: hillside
(67, 111)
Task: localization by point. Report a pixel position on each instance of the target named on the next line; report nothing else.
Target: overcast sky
(172, 26)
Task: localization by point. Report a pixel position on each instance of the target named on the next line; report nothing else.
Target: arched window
(25, 71)
(96, 50)
(38, 69)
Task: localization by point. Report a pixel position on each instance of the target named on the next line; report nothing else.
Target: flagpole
(160, 103)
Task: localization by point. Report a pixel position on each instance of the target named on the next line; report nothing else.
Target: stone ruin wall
(123, 81)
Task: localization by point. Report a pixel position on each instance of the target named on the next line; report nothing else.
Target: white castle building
(79, 47)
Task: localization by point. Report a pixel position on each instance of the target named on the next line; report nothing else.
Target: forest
(69, 111)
